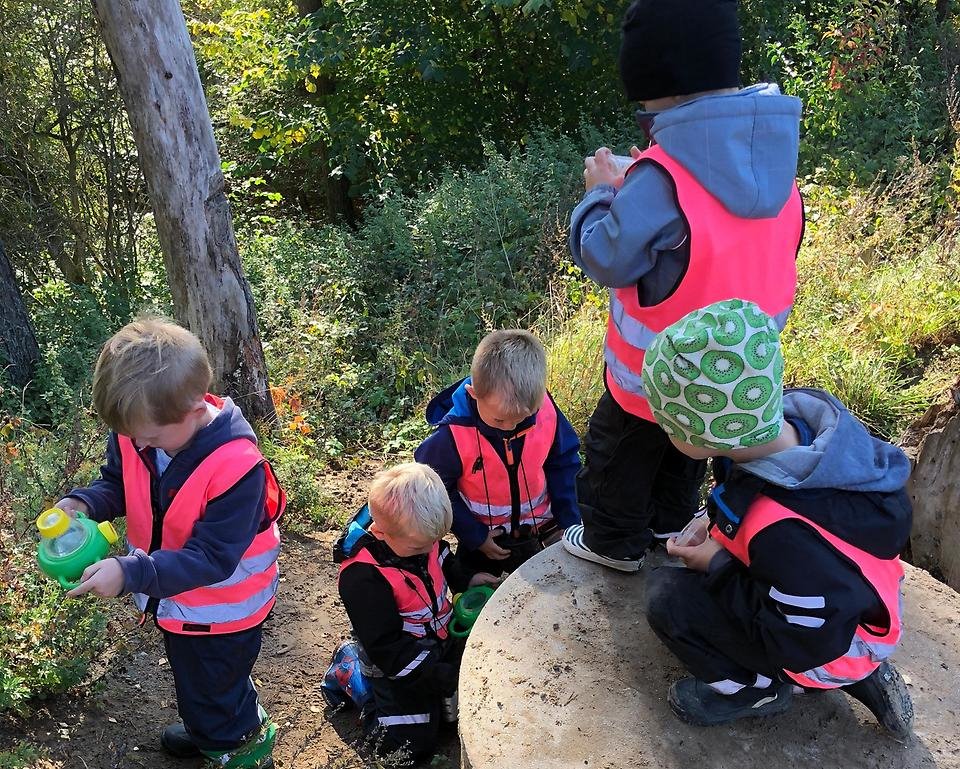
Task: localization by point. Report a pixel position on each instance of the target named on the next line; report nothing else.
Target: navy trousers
(216, 698)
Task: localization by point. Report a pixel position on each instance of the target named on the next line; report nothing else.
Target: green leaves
(398, 89)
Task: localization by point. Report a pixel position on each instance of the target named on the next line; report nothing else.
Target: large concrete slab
(562, 671)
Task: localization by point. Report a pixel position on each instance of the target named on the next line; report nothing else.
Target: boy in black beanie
(710, 211)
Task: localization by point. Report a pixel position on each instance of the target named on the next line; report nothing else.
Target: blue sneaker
(343, 683)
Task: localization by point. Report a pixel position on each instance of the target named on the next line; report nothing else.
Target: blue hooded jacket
(455, 406)
(742, 147)
(219, 539)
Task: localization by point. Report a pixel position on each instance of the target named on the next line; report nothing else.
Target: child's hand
(71, 506)
(491, 549)
(482, 578)
(697, 557)
(603, 169)
(104, 578)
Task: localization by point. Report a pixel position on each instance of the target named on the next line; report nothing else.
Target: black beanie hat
(679, 47)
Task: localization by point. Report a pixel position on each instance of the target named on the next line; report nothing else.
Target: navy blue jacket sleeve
(212, 553)
(561, 468)
(104, 496)
(440, 452)
(803, 608)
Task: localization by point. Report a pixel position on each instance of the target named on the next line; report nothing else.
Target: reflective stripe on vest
(244, 598)
(730, 258)
(484, 484)
(419, 616)
(870, 645)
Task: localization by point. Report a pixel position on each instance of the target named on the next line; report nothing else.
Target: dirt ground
(115, 721)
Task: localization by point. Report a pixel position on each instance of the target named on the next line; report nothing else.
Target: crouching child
(394, 581)
(795, 584)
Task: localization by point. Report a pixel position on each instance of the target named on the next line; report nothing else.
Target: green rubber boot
(255, 753)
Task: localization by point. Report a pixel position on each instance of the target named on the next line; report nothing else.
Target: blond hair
(413, 497)
(513, 364)
(150, 371)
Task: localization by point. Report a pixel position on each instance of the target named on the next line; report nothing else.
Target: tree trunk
(335, 189)
(932, 443)
(154, 59)
(18, 345)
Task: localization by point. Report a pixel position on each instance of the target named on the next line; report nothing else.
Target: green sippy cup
(69, 545)
(466, 609)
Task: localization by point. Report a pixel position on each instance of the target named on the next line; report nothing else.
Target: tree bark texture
(933, 443)
(18, 345)
(157, 72)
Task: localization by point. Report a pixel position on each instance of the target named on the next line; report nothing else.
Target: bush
(877, 318)
(46, 641)
(359, 327)
(873, 76)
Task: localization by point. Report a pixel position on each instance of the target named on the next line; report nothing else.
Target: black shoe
(885, 693)
(177, 742)
(694, 702)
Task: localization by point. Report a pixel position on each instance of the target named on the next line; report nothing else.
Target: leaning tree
(157, 72)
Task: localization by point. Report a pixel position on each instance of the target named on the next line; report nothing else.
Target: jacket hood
(228, 425)
(842, 455)
(742, 147)
(452, 406)
(846, 480)
(455, 406)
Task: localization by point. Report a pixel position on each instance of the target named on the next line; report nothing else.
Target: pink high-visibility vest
(730, 258)
(244, 599)
(484, 484)
(419, 615)
(870, 645)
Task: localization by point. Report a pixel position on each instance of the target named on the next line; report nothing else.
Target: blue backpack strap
(351, 534)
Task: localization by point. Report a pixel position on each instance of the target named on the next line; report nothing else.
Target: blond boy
(201, 504)
(505, 452)
(394, 586)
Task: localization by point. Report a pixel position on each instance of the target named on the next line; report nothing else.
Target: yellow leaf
(259, 132)
(311, 86)
(315, 70)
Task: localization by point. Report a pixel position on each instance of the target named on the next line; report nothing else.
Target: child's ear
(470, 391)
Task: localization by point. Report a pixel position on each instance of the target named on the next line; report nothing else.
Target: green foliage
(575, 360)
(360, 326)
(872, 74)
(877, 320)
(22, 756)
(46, 641)
(71, 194)
(374, 91)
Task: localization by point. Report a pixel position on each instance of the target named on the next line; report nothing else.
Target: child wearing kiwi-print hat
(796, 585)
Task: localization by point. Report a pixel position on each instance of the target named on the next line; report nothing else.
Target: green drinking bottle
(69, 545)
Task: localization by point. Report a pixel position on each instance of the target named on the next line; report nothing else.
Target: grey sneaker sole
(573, 543)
